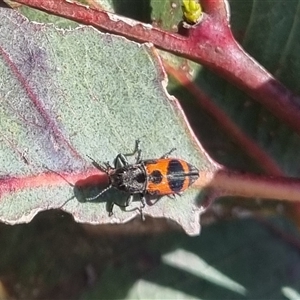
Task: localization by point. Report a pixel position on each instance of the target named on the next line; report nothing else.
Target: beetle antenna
(99, 194)
(58, 174)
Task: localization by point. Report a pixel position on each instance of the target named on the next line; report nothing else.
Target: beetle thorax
(131, 179)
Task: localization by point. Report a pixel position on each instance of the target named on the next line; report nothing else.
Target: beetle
(151, 177)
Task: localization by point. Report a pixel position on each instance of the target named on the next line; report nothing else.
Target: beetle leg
(137, 151)
(168, 153)
(129, 200)
(110, 209)
(143, 201)
(104, 167)
(173, 196)
(154, 201)
(120, 161)
(142, 205)
(127, 203)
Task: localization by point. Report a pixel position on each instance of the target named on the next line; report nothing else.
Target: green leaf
(243, 259)
(242, 250)
(67, 94)
(268, 31)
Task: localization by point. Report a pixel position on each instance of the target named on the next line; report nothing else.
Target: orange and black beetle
(153, 177)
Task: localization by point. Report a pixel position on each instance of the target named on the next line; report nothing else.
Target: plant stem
(232, 183)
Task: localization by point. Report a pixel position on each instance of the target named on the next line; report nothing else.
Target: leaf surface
(67, 94)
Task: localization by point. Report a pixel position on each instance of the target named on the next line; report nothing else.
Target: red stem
(210, 43)
(249, 146)
(250, 185)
